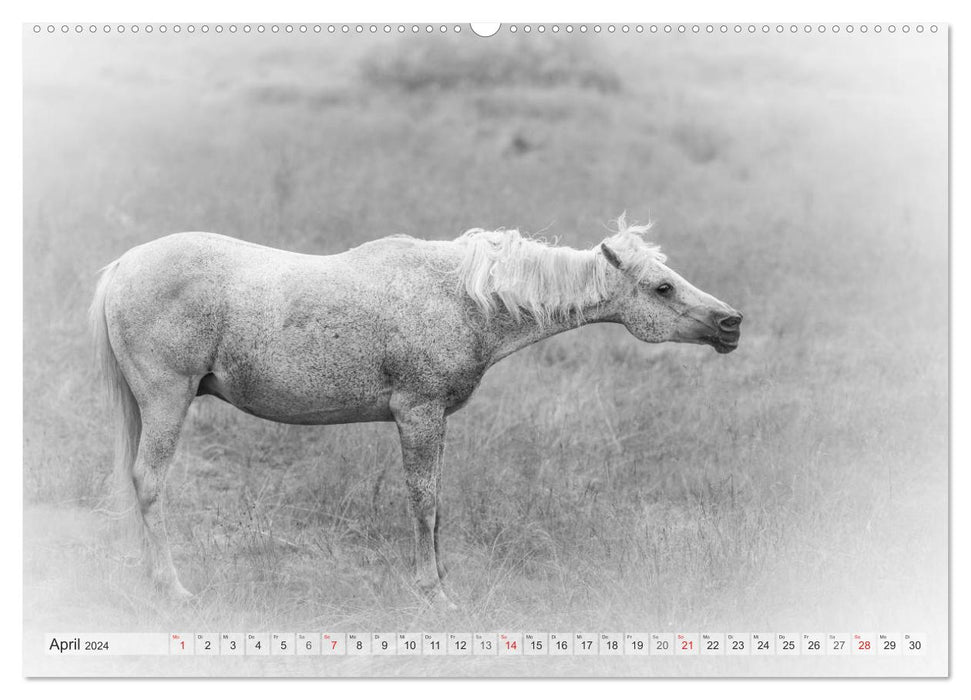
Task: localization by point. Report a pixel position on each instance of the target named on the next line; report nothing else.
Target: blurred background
(593, 482)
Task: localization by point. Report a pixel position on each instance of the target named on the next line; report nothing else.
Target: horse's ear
(611, 256)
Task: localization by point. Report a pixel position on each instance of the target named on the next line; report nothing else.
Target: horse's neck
(513, 336)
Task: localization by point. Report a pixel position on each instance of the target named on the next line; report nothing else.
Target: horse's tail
(129, 428)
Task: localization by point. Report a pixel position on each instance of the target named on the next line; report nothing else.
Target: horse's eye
(664, 289)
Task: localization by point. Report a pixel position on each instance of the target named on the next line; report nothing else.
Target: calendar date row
(548, 644)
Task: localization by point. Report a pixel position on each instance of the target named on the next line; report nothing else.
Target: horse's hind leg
(163, 412)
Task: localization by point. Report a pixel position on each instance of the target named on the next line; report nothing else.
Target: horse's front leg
(439, 475)
(421, 426)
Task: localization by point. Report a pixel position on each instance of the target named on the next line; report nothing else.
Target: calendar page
(425, 350)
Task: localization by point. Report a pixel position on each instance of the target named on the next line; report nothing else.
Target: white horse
(398, 329)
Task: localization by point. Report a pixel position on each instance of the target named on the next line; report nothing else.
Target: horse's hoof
(181, 595)
(436, 596)
(440, 599)
(174, 592)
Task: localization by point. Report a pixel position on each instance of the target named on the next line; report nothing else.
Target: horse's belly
(285, 402)
(356, 414)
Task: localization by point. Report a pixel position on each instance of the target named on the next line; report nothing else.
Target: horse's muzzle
(729, 332)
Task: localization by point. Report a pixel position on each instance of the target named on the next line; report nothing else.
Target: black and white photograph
(512, 350)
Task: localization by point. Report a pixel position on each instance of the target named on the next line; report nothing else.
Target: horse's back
(199, 251)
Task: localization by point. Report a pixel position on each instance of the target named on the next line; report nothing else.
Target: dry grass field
(593, 483)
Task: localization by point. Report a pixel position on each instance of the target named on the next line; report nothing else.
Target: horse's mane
(546, 281)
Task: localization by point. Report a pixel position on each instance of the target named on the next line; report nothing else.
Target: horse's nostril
(730, 323)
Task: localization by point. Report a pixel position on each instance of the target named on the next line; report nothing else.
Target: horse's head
(656, 304)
